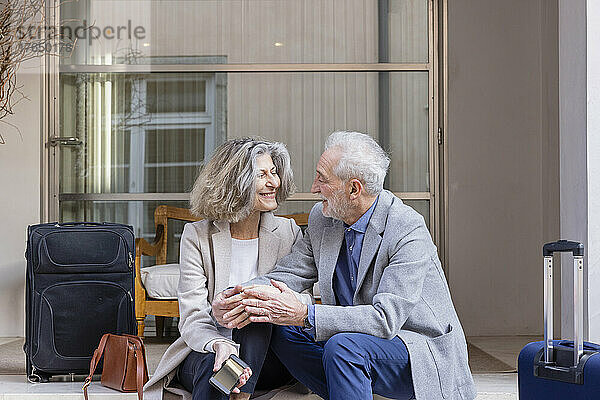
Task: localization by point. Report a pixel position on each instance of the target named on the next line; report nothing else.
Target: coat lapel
(373, 237)
(221, 241)
(331, 243)
(371, 243)
(268, 243)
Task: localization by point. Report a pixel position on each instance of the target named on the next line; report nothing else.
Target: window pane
(407, 35)
(139, 132)
(408, 140)
(246, 31)
(295, 207)
(172, 159)
(302, 109)
(175, 95)
(422, 207)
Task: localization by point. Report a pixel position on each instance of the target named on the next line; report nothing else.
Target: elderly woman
(238, 239)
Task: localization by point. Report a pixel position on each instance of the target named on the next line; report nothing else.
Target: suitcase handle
(563, 246)
(576, 248)
(81, 224)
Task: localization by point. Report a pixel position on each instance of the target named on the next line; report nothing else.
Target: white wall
(593, 165)
(579, 156)
(502, 162)
(20, 197)
(573, 177)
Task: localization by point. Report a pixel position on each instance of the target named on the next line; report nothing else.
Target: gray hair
(361, 158)
(226, 187)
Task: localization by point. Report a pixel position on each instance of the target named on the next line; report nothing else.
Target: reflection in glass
(129, 146)
(247, 31)
(139, 132)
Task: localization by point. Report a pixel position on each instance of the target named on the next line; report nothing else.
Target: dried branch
(25, 34)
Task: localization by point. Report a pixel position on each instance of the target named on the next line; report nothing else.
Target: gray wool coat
(401, 291)
(205, 253)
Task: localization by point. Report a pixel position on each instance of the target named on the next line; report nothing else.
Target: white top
(244, 261)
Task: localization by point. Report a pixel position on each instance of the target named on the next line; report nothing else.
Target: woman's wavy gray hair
(226, 187)
(361, 158)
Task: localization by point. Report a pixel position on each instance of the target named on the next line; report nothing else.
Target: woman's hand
(238, 317)
(222, 352)
(226, 301)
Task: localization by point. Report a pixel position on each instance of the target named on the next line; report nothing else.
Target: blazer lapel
(331, 243)
(373, 237)
(268, 243)
(371, 243)
(221, 241)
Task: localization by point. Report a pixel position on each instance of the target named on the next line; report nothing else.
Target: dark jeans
(254, 341)
(347, 366)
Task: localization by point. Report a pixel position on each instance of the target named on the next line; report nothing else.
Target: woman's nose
(272, 181)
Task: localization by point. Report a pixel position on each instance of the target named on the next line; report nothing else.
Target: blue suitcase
(79, 286)
(560, 369)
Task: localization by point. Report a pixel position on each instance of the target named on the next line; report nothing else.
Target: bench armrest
(144, 248)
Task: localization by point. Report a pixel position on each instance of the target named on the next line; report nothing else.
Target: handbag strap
(140, 366)
(94, 363)
(139, 356)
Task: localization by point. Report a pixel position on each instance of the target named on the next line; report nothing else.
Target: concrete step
(16, 387)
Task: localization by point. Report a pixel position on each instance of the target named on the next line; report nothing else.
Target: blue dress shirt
(346, 268)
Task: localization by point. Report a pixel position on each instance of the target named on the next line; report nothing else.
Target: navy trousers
(254, 341)
(347, 366)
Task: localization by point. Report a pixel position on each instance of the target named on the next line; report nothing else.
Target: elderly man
(387, 324)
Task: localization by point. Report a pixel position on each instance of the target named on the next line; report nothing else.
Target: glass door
(155, 86)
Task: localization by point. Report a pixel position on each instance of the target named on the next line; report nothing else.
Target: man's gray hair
(361, 158)
(226, 187)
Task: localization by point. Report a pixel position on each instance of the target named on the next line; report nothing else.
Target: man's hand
(226, 301)
(283, 308)
(222, 352)
(267, 289)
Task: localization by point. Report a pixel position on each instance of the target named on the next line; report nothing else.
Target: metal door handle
(66, 141)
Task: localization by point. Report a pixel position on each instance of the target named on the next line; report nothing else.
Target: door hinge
(440, 138)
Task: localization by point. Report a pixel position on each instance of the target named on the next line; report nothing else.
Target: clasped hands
(239, 306)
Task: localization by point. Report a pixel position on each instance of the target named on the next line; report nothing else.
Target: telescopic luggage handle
(563, 246)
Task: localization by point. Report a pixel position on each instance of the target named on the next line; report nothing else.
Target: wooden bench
(145, 305)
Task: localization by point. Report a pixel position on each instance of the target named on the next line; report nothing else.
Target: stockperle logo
(90, 33)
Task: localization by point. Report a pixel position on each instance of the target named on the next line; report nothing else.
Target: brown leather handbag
(124, 364)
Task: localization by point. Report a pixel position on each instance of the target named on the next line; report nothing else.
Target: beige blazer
(204, 258)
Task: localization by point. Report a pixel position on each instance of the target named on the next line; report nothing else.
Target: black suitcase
(79, 286)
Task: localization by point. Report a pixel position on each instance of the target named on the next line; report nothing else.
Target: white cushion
(160, 281)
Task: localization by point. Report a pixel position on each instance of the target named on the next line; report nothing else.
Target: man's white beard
(337, 206)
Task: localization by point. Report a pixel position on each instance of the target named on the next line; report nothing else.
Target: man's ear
(356, 188)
